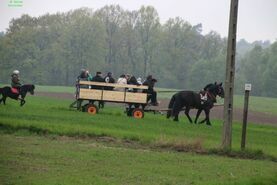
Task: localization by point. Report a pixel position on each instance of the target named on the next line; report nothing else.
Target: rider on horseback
(15, 82)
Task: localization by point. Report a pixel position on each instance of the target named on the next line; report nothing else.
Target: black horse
(190, 99)
(7, 92)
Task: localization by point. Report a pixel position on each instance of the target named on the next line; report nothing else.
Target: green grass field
(45, 142)
(53, 116)
(61, 160)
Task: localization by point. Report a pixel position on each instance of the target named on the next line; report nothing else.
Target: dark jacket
(109, 79)
(82, 77)
(97, 78)
(133, 81)
(150, 83)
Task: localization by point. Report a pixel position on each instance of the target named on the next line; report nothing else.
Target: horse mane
(27, 85)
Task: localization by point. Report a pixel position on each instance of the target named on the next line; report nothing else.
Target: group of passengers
(123, 79)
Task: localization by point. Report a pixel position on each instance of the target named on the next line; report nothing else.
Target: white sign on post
(247, 87)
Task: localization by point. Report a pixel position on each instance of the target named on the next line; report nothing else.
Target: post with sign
(245, 112)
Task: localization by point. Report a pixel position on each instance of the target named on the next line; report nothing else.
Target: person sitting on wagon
(83, 76)
(152, 94)
(109, 79)
(89, 77)
(122, 80)
(132, 81)
(97, 78)
(15, 82)
(139, 80)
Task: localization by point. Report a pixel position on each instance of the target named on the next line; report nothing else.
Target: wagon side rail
(113, 85)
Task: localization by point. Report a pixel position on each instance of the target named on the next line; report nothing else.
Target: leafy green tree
(270, 73)
(147, 25)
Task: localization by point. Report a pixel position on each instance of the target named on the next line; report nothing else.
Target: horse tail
(1, 91)
(170, 106)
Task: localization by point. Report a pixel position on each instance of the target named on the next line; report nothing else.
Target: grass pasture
(50, 160)
(45, 142)
(52, 116)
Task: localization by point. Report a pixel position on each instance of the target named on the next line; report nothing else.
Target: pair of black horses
(187, 99)
(191, 99)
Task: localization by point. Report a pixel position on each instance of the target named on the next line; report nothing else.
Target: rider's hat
(16, 72)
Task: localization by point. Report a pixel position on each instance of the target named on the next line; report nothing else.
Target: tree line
(51, 50)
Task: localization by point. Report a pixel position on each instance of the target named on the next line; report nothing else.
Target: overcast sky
(257, 18)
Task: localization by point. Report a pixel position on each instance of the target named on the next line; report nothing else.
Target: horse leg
(170, 107)
(207, 112)
(197, 115)
(168, 114)
(187, 114)
(4, 100)
(176, 110)
(176, 117)
(22, 102)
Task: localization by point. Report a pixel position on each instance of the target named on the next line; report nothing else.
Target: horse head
(28, 88)
(215, 89)
(218, 89)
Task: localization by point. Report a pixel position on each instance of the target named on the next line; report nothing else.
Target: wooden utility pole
(230, 75)
(245, 112)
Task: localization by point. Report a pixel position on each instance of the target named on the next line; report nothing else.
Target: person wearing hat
(152, 94)
(15, 82)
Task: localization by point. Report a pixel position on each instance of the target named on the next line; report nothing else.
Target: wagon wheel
(91, 109)
(138, 113)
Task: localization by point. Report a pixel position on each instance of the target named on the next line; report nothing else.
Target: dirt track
(216, 112)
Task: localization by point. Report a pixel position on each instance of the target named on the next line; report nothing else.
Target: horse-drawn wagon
(132, 95)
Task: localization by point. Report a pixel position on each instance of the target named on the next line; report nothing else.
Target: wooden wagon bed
(111, 92)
